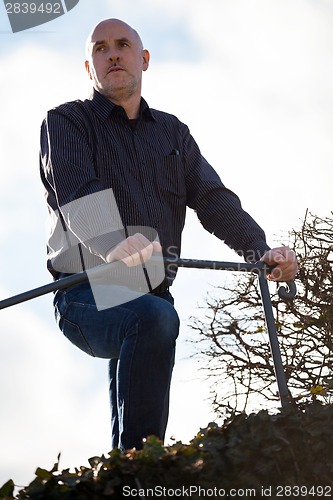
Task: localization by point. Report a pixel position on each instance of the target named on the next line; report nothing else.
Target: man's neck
(132, 111)
(131, 105)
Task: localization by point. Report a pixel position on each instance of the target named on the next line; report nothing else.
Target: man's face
(116, 60)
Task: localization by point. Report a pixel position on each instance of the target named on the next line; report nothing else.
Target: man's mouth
(114, 69)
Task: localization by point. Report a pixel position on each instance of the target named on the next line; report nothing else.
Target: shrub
(288, 454)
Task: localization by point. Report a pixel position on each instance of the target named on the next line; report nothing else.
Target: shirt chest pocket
(171, 178)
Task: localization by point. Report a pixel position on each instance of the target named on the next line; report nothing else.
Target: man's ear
(145, 59)
(87, 66)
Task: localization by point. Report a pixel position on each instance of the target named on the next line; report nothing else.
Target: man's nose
(113, 54)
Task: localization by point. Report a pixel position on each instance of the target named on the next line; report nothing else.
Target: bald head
(109, 24)
(115, 62)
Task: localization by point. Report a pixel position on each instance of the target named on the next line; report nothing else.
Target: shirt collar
(103, 107)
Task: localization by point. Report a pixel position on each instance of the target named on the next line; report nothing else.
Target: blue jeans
(139, 338)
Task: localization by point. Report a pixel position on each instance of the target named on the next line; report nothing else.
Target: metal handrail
(260, 268)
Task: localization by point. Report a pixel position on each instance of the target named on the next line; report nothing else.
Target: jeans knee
(162, 318)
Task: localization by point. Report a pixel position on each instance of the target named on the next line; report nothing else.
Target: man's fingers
(282, 273)
(138, 250)
(157, 247)
(284, 260)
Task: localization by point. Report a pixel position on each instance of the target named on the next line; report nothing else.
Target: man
(118, 177)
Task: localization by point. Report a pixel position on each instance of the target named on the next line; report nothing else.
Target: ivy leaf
(7, 489)
(43, 474)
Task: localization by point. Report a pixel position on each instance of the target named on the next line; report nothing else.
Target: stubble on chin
(117, 92)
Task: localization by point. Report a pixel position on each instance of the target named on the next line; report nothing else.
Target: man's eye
(99, 49)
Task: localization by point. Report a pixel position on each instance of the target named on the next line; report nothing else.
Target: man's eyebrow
(100, 42)
(123, 39)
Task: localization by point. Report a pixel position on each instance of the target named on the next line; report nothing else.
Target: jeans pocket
(70, 329)
(74, 334)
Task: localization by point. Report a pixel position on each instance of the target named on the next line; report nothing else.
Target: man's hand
(133, 251)
(284, 260)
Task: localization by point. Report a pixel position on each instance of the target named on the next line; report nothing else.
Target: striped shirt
(154, 170)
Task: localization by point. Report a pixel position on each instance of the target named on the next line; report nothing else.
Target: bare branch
(234, 339)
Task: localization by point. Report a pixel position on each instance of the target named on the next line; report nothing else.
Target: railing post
(273, 340)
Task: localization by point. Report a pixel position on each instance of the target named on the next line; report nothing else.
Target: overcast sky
(253, 79)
